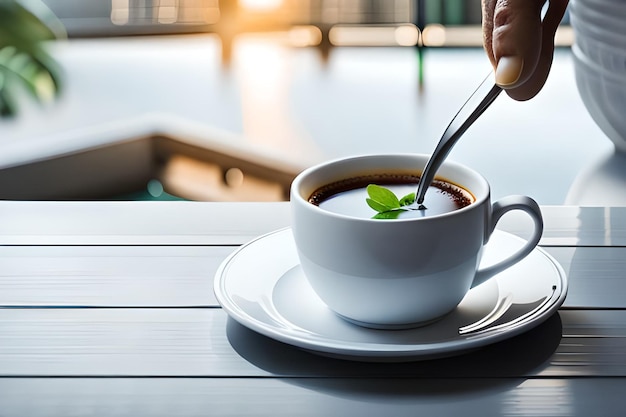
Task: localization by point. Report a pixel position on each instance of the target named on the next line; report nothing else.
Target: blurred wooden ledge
(190, 162)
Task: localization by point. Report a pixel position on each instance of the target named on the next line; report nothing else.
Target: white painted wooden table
(108, 309)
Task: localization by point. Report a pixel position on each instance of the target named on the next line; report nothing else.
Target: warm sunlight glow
(206, 181)
(260, 5)
(266, 75)
(434, 35)
(124, 12)
(120, 12)
(234, 177)
(167, 14)
(407, 35)
(302, 36)
(404, 35)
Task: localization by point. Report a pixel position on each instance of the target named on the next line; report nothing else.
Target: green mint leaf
(389, 215)
(383, 196)
(376, 205)
(386, 203)
(407, 200)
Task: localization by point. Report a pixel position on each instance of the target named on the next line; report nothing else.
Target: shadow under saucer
(496, 367)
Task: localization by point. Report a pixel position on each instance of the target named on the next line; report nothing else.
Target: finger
(488, 7)
(529, 87)
(516, 40)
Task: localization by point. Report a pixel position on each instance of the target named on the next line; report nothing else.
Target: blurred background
(227, 100)
(307, 22)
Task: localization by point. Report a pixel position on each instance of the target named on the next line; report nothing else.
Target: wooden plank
(596, 275)
(109, 276)
(573, 226)
(35, 397)
(137, 223)
(203, 343)
(259, 397)
(189, 223)
(182, 276)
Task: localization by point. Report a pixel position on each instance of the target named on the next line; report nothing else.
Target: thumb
(519, 44)
(531, 84)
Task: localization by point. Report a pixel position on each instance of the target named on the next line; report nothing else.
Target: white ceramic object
(604, 18)
(405, 272)
(601, 183)
(262, 286)
(604, 95)
(608, 59)
(600, 63)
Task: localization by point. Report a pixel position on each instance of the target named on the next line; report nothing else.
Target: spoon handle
(475, 105)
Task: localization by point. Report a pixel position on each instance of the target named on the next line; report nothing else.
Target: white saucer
(262, 287)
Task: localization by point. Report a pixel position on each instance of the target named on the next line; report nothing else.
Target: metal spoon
(475, 105)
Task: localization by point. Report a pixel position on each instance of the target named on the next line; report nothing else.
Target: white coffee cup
(406, 272)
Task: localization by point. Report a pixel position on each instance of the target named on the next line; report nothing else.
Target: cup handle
(514, 202)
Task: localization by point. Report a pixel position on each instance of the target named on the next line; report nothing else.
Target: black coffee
(349, 196)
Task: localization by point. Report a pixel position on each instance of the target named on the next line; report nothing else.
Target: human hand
(519, 44)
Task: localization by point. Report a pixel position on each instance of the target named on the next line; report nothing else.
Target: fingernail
(509, 70)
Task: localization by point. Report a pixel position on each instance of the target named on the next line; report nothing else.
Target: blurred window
(453, 22)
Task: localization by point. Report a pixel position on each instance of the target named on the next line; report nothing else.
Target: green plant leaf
(19, 65)
(376, 205)
(23, 59)
(389, 215)
(383, 196)
(7, 106)
(407, 200)
(386, 203)
(28, 25)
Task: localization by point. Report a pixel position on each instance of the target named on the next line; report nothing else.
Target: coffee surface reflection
(348, 196)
